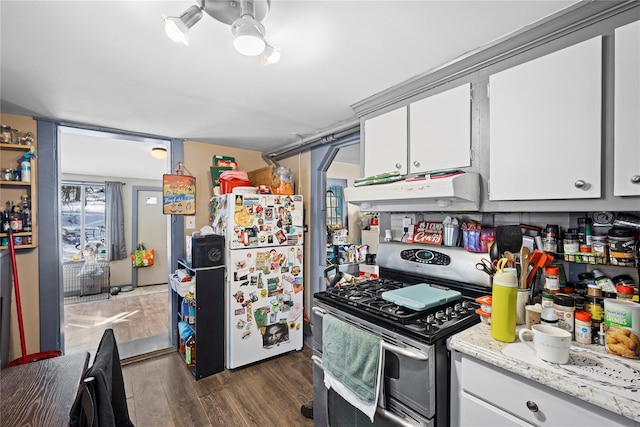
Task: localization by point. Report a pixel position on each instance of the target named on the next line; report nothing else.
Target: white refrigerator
(264, 285)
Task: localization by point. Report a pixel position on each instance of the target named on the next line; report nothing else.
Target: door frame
(134, 226)
(49, 218)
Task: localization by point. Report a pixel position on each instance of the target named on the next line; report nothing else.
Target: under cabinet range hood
(459, 192)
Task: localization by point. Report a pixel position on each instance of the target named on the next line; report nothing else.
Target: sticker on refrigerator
(262, 316)
(239, 296)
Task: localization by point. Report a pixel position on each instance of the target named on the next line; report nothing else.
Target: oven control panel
(425, 256)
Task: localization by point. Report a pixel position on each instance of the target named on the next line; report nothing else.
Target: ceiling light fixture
(177, 28)
(243, 16)
(159, 152)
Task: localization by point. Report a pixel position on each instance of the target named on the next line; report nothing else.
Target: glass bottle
(26, 212)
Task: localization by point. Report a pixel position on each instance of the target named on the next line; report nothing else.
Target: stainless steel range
(417, 363)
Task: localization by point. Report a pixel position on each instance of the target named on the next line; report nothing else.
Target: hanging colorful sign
(178, 195)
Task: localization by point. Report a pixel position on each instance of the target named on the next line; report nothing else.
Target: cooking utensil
(494, 251)
(538, 260)
(509, 238)
(525, 253)
(511, 258)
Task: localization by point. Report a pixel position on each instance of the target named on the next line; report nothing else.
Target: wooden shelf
(10, 156)
(16, 147)
(16, 183)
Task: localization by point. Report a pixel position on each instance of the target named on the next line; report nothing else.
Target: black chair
(101, 400)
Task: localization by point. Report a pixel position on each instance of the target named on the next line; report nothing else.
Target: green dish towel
(352, 356)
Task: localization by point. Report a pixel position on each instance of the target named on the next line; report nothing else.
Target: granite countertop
(580, 378)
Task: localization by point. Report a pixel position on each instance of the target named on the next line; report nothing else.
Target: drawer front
(514, 394)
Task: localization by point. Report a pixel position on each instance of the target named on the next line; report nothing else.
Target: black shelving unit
(209, 325)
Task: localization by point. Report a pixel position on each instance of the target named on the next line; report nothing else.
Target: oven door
(408, 394)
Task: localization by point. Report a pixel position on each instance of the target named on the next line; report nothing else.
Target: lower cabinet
(484, 395)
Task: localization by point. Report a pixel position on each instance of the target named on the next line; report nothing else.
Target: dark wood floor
(162, 392)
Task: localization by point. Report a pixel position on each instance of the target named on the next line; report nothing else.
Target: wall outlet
(191, 222)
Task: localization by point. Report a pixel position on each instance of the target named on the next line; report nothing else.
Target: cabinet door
(440, 131)
(385, 143)
(626, 172)
(545, 126)
(476, 412)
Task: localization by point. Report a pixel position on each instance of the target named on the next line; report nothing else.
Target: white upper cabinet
(435, 136)
(545, 126)
(385, 143)
(440, 131)
(626, 168)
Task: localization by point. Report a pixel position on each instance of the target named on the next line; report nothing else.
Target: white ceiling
(108, 63)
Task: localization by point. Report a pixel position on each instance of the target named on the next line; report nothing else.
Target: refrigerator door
(264, 304)
(263, 220)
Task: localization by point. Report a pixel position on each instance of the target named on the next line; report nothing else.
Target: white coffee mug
(549, 343)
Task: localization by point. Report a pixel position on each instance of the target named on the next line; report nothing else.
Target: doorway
(134, 303)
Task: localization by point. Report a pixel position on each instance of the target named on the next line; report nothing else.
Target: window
(335, 203)
(83, 219)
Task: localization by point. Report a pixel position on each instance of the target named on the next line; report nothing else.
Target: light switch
(191, 222)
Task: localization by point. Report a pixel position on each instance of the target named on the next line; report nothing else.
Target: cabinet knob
(416, 164)
(532, 406)
(581, 184)
(398, 166)
(635, 179)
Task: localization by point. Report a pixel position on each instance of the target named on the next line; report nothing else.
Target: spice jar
(582, 328)
(552, 279)
(600, 248)
(570, 245)
(565, 307)
(549, 242)
(625, 292)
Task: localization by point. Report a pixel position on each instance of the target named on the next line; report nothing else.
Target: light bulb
(249, 35)
(271, 55)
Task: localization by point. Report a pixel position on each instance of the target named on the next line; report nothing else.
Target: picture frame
(178, 194)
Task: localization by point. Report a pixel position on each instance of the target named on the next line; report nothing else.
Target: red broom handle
(16, 286)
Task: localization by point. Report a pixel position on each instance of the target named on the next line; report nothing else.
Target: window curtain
(115, 221)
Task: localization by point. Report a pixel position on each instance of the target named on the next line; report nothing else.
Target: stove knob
(466, 304)
(449, 311)
(457, 307)
(439, 315)
(431, 318)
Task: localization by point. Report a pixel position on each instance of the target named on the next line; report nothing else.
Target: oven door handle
(403, 422)
(413, 354)
(407, 352)
(319, 311)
